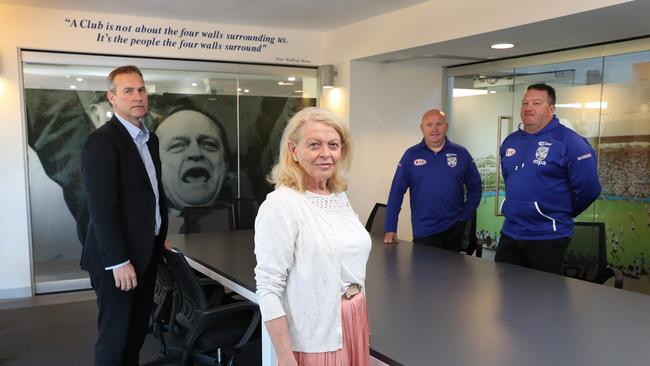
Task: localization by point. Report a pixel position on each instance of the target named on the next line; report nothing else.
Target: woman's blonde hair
(288, 172)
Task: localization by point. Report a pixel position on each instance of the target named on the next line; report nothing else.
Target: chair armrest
(207, 281)
(573, 271)
(618, 277)
(205, 319)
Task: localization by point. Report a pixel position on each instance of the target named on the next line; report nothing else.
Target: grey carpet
(64, 334)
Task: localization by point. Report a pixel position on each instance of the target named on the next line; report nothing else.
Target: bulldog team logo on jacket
(452, 160)
(419, 162)
(540, 155)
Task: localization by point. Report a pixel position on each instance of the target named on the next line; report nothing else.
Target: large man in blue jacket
(551, 176)
(437, 173)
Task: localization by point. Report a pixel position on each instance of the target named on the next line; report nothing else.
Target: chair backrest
(245, 213)
(163, 296)
(470, 243)
(215, 218)
(586, 256)
(375, 223)
(191, 296)
(225, 325)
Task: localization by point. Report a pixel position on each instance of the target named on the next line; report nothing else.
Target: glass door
(481, 116)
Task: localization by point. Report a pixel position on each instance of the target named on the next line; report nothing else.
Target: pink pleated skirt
(356, 338)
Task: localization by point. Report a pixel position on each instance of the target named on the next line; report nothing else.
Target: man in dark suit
(128, 219)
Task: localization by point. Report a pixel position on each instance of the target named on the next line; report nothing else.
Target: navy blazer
(121, 202)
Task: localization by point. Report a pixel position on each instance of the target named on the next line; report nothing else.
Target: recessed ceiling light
(297, 91)
(194, 84)
(238, 89)
(280, 82)
(291, 78)
(73, 87)
(502, 46)
(246, 90)
(80, 79)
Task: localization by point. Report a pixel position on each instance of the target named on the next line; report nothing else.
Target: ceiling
(609, 24)
(313, 15)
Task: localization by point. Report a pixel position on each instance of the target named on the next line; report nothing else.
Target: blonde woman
(312, 249)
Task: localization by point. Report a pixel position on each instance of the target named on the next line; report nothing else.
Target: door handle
(500, 120)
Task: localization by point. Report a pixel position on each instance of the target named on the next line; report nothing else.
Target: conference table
(432, 307)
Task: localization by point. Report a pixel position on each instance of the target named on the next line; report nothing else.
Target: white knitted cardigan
(298, 270)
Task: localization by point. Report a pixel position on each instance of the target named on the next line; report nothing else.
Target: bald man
(437, 173)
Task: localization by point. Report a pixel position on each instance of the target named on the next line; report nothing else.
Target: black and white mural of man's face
(193, 158)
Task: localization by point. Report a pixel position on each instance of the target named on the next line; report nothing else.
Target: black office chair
(245, 213)
(470, 242)
(165, 305)
(212, 335)
(586, 256)
(166, 302)
(375, 223)
(205, 219)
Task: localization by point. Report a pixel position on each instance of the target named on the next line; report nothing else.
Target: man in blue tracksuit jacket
(437, 172)
(551, 176)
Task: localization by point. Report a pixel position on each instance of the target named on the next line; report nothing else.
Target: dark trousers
(450, 239)
(123, 319)
(544, 255)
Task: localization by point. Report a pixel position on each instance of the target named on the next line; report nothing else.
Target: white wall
(14, 249)
(387, 102)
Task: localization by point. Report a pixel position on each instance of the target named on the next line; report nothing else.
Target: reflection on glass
(217, 136)
(624, 165)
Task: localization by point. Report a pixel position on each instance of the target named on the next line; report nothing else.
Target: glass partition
(624, 165)
(218, 124)
(604, 95)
